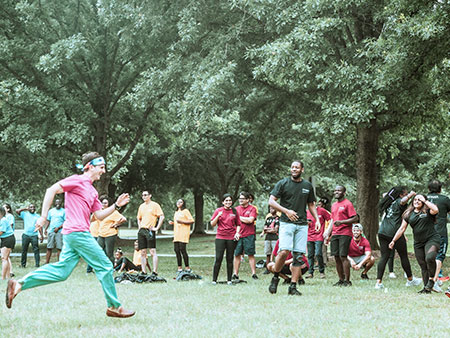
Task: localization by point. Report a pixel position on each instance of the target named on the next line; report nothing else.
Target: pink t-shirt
(80, 200)
(324, 216)
(247, 229)
(341, 211)
(357, 249)
(226, 226)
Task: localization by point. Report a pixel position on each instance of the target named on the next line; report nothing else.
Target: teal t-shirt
(29, 222)
(11, 220)
(443, 203)
(56, 218)
(294, 196)
(392, 219)
(5, 228)
(423, 227)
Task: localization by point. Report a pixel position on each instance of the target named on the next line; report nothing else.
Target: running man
(294, 194)
(81, 200)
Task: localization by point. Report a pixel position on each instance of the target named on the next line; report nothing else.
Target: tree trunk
(199, 227)
(367, 179)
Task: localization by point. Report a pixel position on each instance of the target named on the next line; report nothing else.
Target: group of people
(295, 226)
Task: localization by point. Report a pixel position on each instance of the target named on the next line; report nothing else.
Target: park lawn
(76, 307)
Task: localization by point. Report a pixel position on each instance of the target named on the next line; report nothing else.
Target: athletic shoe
(436, 288)
(447, 293)
(322, 275)
(234, 277)
(154, 274)
(309, 275)
(392, 275)
(230, 282)
(347, 283)
(292, 291)
(214, 282)
(413, 282)
(301, 281)
(424, 290)
(444, 279)
(274, 284)
(188, 270)
(439, 282)
(379, 286)
(430, 284)
(364, 276)
(266, 272)
(339, 283)
(254, 276)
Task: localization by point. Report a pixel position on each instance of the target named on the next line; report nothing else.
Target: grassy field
(76, 307)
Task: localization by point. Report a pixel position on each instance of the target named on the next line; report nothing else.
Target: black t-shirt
(422, 225)
(272, 221)
(294, 196)
(392, 219)
(443, 203)
(128, 264)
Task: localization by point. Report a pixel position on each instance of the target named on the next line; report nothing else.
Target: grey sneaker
(413, 282)
(436, 288)
(379, 286)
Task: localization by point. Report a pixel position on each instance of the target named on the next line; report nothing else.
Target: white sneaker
(439, 282)
(213, 283)
(392, 275)
(436, 288)
(414, 281)
(379, 286)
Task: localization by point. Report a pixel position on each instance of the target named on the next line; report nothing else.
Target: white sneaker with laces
(379, 286)
(392, 275)
(436, 288)
(414, 281)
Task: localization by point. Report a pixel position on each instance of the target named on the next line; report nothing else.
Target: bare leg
(339, 267)
(346, 267)
(438, 268)
(252, 262)
(236, 264)
(144, 260)
(48, 256)
(369, 264)
(155, 260)
(58, 252)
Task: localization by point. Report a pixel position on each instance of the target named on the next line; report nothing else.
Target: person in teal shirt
(56, 217)
(7, 243)
(29, 235)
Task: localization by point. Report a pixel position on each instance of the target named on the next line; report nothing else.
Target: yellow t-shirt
(148, 214)
(137, 258)
(105, 229)
(95, 225)
(181, 232)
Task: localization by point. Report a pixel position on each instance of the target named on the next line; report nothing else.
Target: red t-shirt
(357, 249)
(341, 211)
(324, 216)
(247, 229)
(80, 200)
(226, 226)
(277, 247)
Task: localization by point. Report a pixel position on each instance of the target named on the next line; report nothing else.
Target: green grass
(76, 307)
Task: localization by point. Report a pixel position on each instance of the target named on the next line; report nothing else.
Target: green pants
(76, 245)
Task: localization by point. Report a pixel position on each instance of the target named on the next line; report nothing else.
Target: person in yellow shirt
(148, 214)
(137, 257)
(108, 229)
(182, 220)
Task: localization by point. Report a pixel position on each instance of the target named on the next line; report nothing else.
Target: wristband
(116, 206)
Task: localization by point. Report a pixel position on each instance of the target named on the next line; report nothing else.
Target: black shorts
(146, 239)
(340, 245)
(245, 245)
(8, 242)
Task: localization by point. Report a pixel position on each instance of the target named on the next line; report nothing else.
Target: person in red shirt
(315, 241)
(359, 252)
(246, 244)
(228, 225)
(343, 215)
(286, 271)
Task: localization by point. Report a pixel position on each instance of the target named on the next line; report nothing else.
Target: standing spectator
(30, 235)
(323, 202)
(182, 221)
(271, 226)
(359, 252)
(228, 225)
(443, 204)
(246, 243)
(81, 200)
(12, 221)
(7, 243)
(108, 229)
(393, 205)
(148, 214)
(294, 194)
(421, 215)
(315, 241)
(56, 217)
(343, 215)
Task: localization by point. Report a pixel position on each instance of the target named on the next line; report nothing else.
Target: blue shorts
(293, 237)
